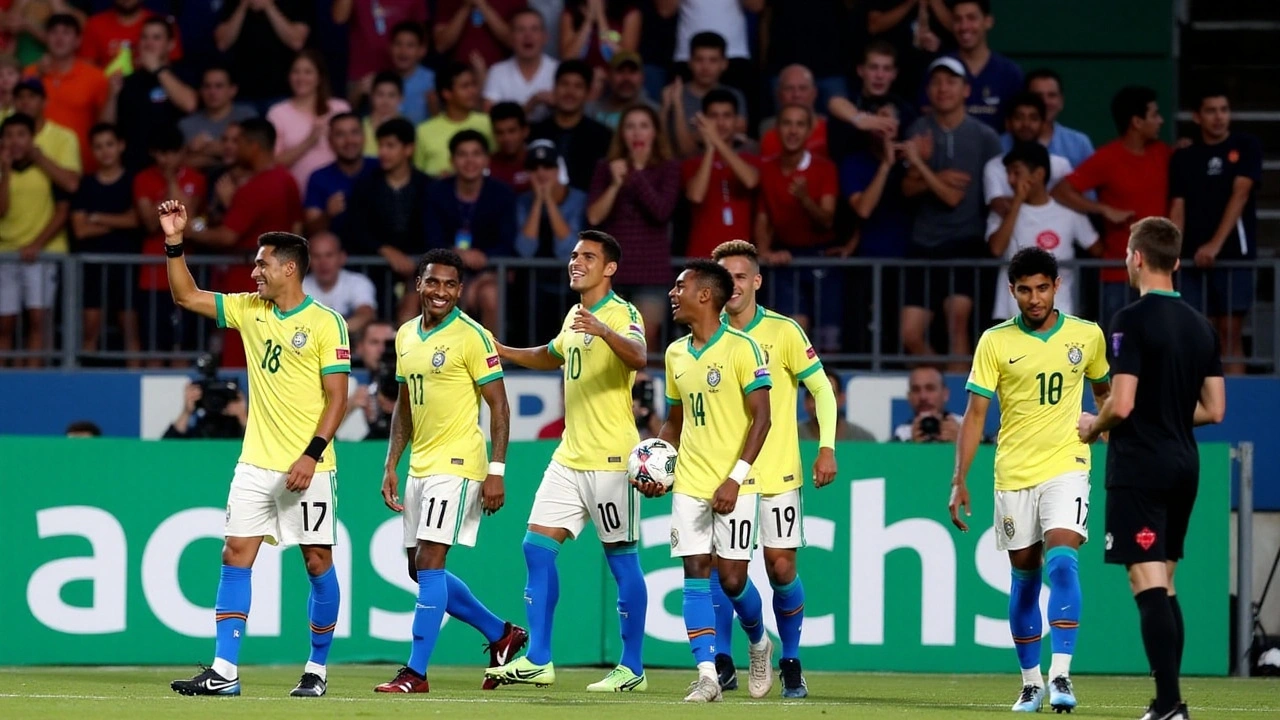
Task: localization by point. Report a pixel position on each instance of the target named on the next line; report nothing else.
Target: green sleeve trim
(551, 348)
(764, 382)
(222, 313)
(673, 401)
(400, 379)
(340, 368)
(489, 378)
(979, 390)
(1104, 378)
(815, 367)
(484, 336)
(342, 324)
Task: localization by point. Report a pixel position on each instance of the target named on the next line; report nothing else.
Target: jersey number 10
(1050, 388)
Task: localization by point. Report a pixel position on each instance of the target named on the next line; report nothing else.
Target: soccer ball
(653, 460)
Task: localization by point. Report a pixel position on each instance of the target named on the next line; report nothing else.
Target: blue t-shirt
(885, 233)
(414, 105)
(989, 90)
(329, 180)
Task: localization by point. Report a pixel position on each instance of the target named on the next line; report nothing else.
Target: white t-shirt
(507, 84)
(995, 176)
(724, 17)
(351, 292)
(1052, 227)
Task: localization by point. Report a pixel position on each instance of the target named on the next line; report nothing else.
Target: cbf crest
(714, 377)
(438, 359)
(1006, 524)
(587, 338)
(299, 339)
(1075, 353)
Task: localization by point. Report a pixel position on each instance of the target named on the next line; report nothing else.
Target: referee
(1166, 379)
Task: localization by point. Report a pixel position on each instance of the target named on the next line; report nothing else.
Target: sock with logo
(788, 612)
(724, 616)
(1159, 638)
(1177, 623)
(700, 621)
(231, 610)
(1025, 624)
(633, 603)
(433, 598)
(750, 609)
(322, 611)
(541, 593)
(464, 606)
(1064, 606)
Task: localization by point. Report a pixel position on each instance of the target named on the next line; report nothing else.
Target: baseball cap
(954, 66)
(33, 84)
(541, 153)
(626, 57)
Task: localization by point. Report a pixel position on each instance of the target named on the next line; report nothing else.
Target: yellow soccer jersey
(712, 385)
(444, 369)
(599, 427)
(1039, 378)
(286, 353)
(791, 359)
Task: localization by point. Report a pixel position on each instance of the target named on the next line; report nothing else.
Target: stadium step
(1250, 86)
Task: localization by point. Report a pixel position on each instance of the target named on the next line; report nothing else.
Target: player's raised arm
(630, 350)
(401, 433)
(173, 221)
(543, 357)
(495, 396)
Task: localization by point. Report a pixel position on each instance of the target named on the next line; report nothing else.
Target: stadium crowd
(501, 128)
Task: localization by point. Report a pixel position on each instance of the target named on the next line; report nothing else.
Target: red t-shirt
(792, 227)
(369, 35)
(1125, 181)
(104, 35)
(726, 212)
(268, 202)
(151, 186)
(771, 145)
(510, 171)
(475, 35)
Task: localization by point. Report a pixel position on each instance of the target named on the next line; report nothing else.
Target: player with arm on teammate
(601, 346)
(1037, 364)
(445, 364)
(284, 488)
(1168, 380)
(791, 360)
(717, 377)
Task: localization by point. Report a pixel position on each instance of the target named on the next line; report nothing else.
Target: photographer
(928, 395)
(642, 407)
(364, 411)
(213, 408)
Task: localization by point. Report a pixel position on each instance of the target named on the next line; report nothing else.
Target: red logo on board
(1145, 538)
(1048, 240)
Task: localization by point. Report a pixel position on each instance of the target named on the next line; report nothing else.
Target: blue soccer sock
(750, 609)
(1064, 606)
(541, 593)
(433, 598)
(700, 620)
(1024, 617)
(464, 606)
(231, 610)
(633, 603)
(788, 612)
(322, 610)
(724, 616)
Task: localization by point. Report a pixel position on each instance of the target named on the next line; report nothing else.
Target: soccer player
(445, 363)
(601, 346)
(284, 488)
(1168, 379)
(716, 376)
(789, 355)
(1037, 363)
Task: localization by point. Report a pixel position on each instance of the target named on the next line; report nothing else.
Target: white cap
(948, 63)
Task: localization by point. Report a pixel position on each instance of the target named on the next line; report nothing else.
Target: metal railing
(851, 307)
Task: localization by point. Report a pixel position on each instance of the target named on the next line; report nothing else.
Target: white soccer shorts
(442, 509)
(567, 497)
(696, 529)
(1022, 517)
(259, 505)
(32, 286)
(782, 520)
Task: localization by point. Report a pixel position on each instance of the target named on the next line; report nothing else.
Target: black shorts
(947, 275)
(1148, 524)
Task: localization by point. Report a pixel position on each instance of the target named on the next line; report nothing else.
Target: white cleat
(760, 673)
(1030, 700)
(704, 690)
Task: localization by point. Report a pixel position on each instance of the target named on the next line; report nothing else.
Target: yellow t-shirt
(444, 369)
(712, 385)
(431, 150)
(32, 201)
(1039, 378)
(599, 426)
(61, 145)
(790, 358)
(287, 355)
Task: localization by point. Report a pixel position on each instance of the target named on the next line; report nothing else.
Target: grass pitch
(144, 694)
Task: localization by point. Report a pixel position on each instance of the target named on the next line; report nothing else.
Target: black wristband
(316, 448)
(173, 251)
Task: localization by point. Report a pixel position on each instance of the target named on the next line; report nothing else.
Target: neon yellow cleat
(620, 679)
(523, 672)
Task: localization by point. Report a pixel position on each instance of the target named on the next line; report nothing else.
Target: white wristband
(740, 471)
(497, 468)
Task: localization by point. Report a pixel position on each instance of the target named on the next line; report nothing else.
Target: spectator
(633, 194)
(119, 29)
(460, 95)
(529, 76)
(475, 215)
(813, 34)
(258, 35)
(475, 27)
(1033, 219)
(596, 30)
(371, 30)
(1214, 186)
(580, 140)
(1073, 145)
(33, 219)
(199, 45)
(947, 153)
(721, 184)
(871, 179)
(993, 77)
(57, 149)
(350, 294)
(10, 75)
(363, 408)
(794, 218)
(845, 430)
(302, 121)
(548, 218)
(1131, 176)
(385, 101)
(927, 394)
(83, 429)
(204, 128)
(917, 31)
(155, 95)
(658, 23)
(728, 19)
(200, 420)
(624, 87)
(77, 91)
(226, 178)
(104, 221)
(681, 101)
(408, 47)
(877, 73)
(510, 132)
(329, 188)
(1024, 118)
(795, 87)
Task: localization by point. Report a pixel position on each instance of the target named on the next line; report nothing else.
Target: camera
(216, 392)
(642, 403)
(931, 427)
(385, 388)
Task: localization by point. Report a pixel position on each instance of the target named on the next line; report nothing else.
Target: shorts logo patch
(228, 512)
(1110, 541)
(1145, 538)
(1115, 343)
(1009, 528)
(675, 538)
(299, 340)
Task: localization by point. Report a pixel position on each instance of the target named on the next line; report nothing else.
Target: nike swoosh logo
(527, 675)
(680, 375)
(218, 684)
(502, 656)
(259, 319)
(1014, 360)
(406, 352)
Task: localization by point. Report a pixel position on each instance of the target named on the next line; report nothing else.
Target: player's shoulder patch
(748, 340)
(331, 313)
(479, 329)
